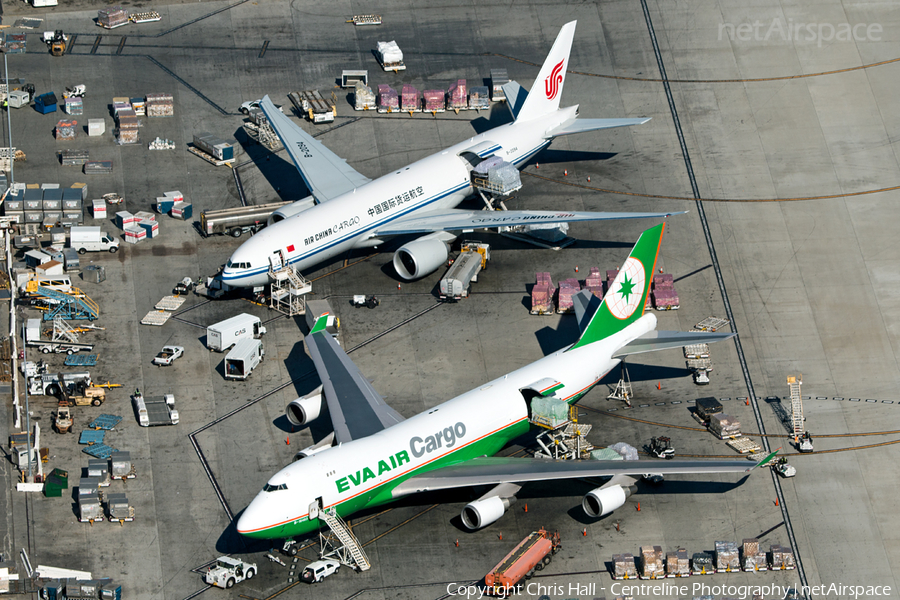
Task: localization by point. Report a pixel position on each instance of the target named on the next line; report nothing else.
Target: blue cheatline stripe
(347, 236)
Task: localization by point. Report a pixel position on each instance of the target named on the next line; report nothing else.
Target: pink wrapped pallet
(567, 289)
(543, 278)
(434, 100)
(594, 279)
(611, 276)
(665, 300)
(409, 99)
(459, 98)
(542, 299)
(663, 281)
(596, 290)
(388, 99)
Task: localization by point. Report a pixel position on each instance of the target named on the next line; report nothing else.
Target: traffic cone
(748, 401)
(457, 542)
(776, 501)
(526, 507)
(501, 535)
(617, 525)
(639, 507)
(537, 165)
(589, 178)
(659, 385)
(584, 532)
(287, 441)
(398, 287)
(576, 268)
(565, 173)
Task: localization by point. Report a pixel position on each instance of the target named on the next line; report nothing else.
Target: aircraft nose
(254, 520)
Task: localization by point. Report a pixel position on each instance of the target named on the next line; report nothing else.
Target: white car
(318, 570)
(246, 106)
(168, 355)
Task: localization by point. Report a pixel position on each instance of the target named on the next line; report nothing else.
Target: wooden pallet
(170, 303)
(156, 317)
(743, 445)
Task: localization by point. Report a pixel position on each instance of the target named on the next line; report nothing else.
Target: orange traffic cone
(398, 287)
(287, 441)
(576, 268)
(526, 507)
(457, 542)
(501, 535)
(589, 178)
(537, 165)
(776, 501)
(659, 385)
(584, 532)
(639, 507)
(565, 173)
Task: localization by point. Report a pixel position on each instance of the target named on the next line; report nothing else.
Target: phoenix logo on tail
(554, 80)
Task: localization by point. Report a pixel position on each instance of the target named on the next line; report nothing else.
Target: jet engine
(303, 410)
(289, 210)
(603, 500)
(420, 257)
(483, 512)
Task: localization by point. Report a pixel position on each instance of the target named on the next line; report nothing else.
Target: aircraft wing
(495, 470)
(663, 340)
(326, 174)
(356, 409)
(456, 219)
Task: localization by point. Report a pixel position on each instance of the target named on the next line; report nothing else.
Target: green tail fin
(320, 323)
(624, 302)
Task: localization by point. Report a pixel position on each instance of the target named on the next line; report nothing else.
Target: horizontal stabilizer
(586, 304)
(583, 125)
(515, 97)
(455, 219)
(494, 470)
(663, 340)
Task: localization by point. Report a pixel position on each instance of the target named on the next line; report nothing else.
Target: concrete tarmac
(809, 284)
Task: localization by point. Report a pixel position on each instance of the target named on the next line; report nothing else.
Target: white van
(243, 358)
(224, 335)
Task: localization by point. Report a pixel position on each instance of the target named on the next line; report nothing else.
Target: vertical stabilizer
(624, 302)
(544, 95)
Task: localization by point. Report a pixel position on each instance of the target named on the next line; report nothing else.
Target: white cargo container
(243, 358)
(224, 335)
(91, 239)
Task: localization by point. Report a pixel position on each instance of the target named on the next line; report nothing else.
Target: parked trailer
(532, 554)
(236, 221)
(155, 410)
(243, 358)
(223, 335)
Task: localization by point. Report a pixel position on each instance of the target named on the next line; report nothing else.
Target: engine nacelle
(289, 210)
(482, 513)
(303, 410)
(603, 500)
(422, 256)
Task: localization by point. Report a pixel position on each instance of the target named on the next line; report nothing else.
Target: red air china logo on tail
(555, 79)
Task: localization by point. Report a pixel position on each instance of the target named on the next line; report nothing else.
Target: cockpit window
(229, 264)
(273, 488)
(238, 265)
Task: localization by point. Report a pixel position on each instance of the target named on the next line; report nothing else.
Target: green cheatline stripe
(551, 390)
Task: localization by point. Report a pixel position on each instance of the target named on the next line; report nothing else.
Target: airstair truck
(223, 335)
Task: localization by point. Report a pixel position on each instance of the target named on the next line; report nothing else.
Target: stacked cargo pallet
(74, 106)
(71, 158)
(213, 149)
(391, 56)
(702, 564)
(458, 96)
(364, 96)
(567, 289)
(112, 17)
(388, 100)
(434, 100)
(594, 282)
(664, 295)
(753, 559)
(677, 563)
(651, 562)
(98, 167)
(128, 122)
(14, 43)
(479, 98)
(410, 101)
(623, 566)
(542, 295)
(782, 558)
(727, 559)
(89, 498)
(724, 426)
(65, 130)
(160, 105)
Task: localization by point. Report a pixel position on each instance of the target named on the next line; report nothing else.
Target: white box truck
(243, 358)
(224, 335)
(91, 239)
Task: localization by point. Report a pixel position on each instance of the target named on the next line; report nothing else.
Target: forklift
(661, 447)
(57, 42)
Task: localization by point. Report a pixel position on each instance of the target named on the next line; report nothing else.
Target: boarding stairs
(341, 544)
(288, 290)
(72, 305)
(794, 384)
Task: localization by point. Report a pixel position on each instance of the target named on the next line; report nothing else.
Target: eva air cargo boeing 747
(378, 456)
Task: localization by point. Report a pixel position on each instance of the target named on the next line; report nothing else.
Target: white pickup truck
(168, 355)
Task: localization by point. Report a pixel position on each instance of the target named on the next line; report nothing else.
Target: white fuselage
(351, 220)
(476, 423)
